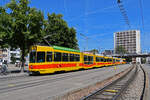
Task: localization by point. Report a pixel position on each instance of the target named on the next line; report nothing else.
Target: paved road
(49, 86)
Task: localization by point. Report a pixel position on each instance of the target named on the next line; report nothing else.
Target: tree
(94, 51)
(120, 50)
(59, 32)
(22, 26)
(72, 41)
(13, 58)
(26, 26)
(5, 28)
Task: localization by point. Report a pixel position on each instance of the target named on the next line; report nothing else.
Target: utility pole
(86, 40)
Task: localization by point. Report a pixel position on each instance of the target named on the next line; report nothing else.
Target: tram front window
(32, 57)
(40, 57)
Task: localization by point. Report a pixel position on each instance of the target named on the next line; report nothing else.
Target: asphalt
(47, 87)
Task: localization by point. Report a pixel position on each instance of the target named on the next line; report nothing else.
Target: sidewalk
(11, 75)
(14, 71)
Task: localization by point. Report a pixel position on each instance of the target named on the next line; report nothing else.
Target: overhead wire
(123, 12)
(142, 16)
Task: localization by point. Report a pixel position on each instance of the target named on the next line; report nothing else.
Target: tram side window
(65, 56)
(40, 57)
(85, 58)
(105, 60)
(57, 56)
(90, 59)
(113, 60)
(72, 58)
(97, 59)
(32, 57)
(102, 60)
(49, 57)
(110, 60)
(77, 57)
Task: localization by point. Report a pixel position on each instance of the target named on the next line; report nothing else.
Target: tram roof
(65, 49)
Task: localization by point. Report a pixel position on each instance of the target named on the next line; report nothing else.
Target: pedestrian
(4, 68)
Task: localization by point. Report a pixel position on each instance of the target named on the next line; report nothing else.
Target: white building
(130, 40)
(7, 54)
(16, 53)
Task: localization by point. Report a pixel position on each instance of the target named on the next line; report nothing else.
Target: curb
(146, 91)
(145, 95)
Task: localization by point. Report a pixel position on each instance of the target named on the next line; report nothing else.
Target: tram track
(34, 78)
(28, 76)
(13, 77)
(115, 89)
(39, 81)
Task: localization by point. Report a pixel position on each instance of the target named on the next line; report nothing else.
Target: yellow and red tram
(46, 59)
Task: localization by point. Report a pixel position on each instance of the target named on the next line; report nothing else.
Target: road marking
(11, 85)
(115, 67)
(113, 91)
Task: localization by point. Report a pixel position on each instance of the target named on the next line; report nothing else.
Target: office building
(129, 40)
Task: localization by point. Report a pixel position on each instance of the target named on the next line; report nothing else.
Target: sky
(99, 19)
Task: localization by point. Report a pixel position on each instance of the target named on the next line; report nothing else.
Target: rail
(114, 90)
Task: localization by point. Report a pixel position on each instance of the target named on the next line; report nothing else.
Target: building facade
(6, 54)
(108, 52)
(129, 40)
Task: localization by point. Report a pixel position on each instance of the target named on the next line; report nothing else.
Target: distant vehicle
(46, 59)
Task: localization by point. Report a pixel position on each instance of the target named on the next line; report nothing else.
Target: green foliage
(5, 28)
(120, 50)
(143, 60)
(27, 24)
(13, 59)
(59, 33)
(94, 51)
(23, 26)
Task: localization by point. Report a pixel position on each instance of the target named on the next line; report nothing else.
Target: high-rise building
(129, 40)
